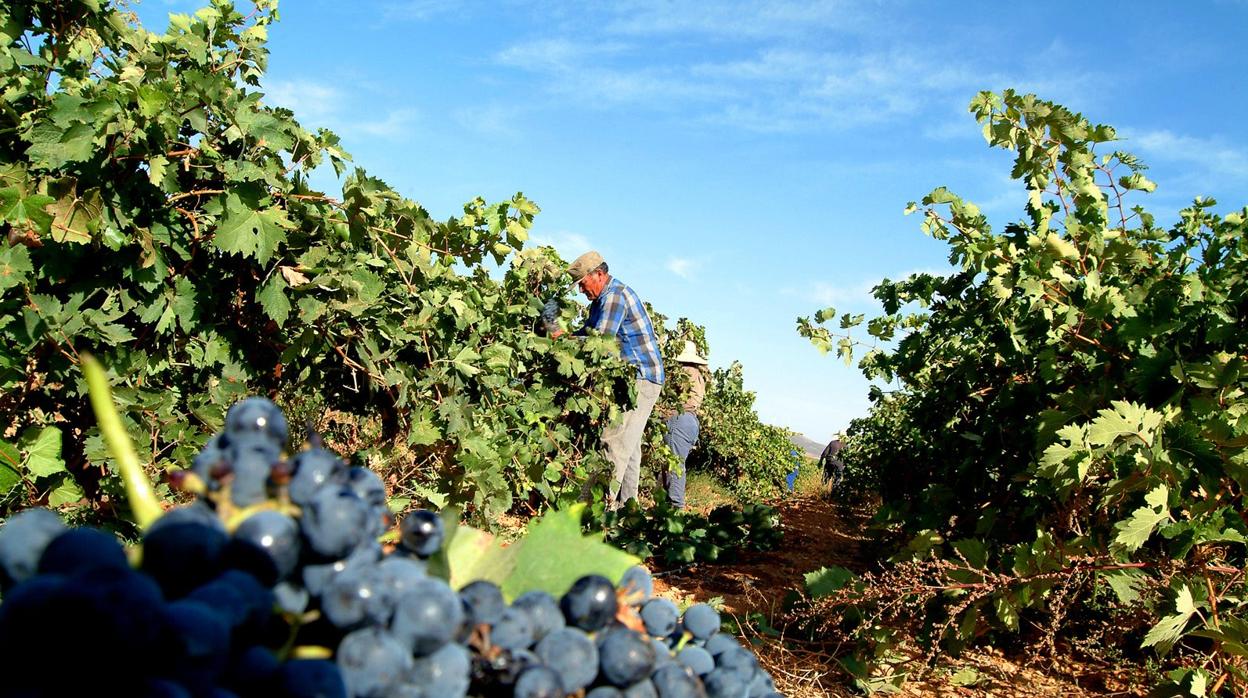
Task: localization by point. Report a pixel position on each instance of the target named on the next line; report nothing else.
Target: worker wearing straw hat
(683, 427)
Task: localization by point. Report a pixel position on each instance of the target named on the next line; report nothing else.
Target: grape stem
(139, 492)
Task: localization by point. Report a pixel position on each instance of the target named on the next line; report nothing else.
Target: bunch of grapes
(273, 583)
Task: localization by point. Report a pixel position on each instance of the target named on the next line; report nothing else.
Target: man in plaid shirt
(616, 310)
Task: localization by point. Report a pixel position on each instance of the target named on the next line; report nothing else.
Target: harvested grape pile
(273, 583)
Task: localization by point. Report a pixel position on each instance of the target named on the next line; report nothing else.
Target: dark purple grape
(625, 657)
(334, 522)
(353, 598)
(726, 683)
(257, 415)
(316, 578)
(539, 682)
(513, 630)
(446, 672)
(701, 621)
(428, 616)
(642, 689)
(719, 642)
(291, 598)
(82, 550)
(421, 533)
(572, 654)
(266, 544)
(483, 602)
(697, 659)
(372, 661)
(677, 681)
(249, 483)
(180, 552)
(311, 677)
(660, 617)
(22, 542)
(590, 604)
(543, 610)
(254, 671)
(194, 644)
(313, 469)
(637, 585)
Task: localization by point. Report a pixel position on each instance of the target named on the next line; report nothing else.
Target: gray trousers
(622, 441)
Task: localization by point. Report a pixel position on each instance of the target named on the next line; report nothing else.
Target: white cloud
(310, 101)
(684, 268)
(493, 120)
(321, 105)
(416, 10)
(398, 123)
(735, 18)
(569, 245)
(1212, 154)
(854, 295)
(774, 88)
(837, 295)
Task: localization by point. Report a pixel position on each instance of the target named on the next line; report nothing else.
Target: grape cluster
(601, 641)
(273, 583)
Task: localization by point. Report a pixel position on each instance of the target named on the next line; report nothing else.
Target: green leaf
(15, 266)
(555, 554)
(66, 492)
(463, 361)
(1124, 419)
(1126, 584)
(9, 464)
(53, 147)
(1007, 612)
(551, 556)
(43, 452)
(1133, 532)
(272, 298)
(74, 216)
(251, 232)
(1165, 633)
(25, 212)
(826, 580)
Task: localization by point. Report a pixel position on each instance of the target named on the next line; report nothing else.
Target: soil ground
(818, 533)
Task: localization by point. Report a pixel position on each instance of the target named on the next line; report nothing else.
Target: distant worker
(683, 426)
(615, 310)
(790, 480)
(833, 468)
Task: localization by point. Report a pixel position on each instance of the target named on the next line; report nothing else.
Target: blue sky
(744, 163)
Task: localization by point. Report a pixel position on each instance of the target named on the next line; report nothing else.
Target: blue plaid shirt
(618, 311)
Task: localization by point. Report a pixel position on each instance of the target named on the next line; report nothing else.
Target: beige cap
(584, 264)
(690, 354)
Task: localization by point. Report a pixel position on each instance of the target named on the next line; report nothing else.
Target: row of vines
(1058, 437)
(157, 214)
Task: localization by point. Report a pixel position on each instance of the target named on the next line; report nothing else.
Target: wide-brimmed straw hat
(690, 354)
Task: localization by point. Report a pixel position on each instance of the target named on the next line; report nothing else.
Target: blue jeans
(682, 434)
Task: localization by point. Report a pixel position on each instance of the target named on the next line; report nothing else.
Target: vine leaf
(1165, 633)
(551, 556)
(25, 212)
(43, 452)
(1134, 531)
(272, 297)
(14, 265)
(249, 231)
(9, 461)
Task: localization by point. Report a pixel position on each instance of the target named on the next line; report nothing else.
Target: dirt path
(820, 533)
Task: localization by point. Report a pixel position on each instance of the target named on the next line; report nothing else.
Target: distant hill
(811, 447)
